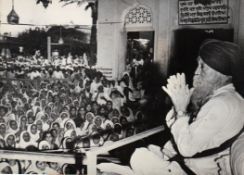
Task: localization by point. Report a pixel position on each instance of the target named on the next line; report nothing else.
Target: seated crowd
(69, 107)
(87, 112)
(12, 166)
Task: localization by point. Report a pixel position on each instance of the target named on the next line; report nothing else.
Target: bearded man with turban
(204, 121)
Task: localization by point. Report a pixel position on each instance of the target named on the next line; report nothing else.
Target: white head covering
(39, 115)
(91, 114)
(45, 126)
(56, 121)
(68, 133)
(44, 145)
(64, 142)
(11, 130)
(22, 143)
(35, 109)
(62, 121)
(34, 137)
(28, 112)
(40, 121)
(96, 118)
(69, 121)
(108, 122)
(11, 116)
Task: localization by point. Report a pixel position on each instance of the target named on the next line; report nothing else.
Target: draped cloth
(144, 162)
(237, 156)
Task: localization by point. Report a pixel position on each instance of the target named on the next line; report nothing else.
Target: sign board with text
(191, 13)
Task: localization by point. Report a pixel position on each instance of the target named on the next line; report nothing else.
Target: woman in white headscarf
(44, 145)
(12, 127)
(36, 109)
(39, 124)
(88, 122)
(30, 113)
(65, 142)
(108, 127)
(34, 133)
(10, 116)
(63, 117)
(96, 126)
(69, 124)
(55, 125)
(44, 117)
(69, 138)
(25, 141)
(69, 130)
(39, 115)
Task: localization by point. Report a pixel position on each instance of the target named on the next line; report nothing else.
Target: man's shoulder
(227, 98)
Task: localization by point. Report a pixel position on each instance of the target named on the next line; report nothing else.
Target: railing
(38, 156)
(92, 154)
(89, 158)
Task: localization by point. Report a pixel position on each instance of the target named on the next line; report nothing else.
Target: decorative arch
(138, 17)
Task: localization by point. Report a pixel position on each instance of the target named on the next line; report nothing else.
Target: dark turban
(224, 57)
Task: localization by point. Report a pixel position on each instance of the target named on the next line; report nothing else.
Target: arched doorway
(139, 37)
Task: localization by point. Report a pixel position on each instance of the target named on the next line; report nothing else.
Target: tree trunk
(93, 39)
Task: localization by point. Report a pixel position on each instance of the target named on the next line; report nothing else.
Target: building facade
(163, 18)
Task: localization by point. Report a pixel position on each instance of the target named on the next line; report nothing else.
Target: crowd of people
(12, 166)
(55, 106)
(37, 66)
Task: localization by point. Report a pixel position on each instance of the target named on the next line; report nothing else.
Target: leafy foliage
(79, 2)
(34, 39)
(44, 2)
(74, 40)
(93, 5)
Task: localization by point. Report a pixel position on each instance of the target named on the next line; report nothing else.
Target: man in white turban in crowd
(203, 136)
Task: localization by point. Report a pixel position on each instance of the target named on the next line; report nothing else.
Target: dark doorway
(186, 45)
(140, 45)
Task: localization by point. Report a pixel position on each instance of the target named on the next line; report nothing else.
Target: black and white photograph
(122, 87)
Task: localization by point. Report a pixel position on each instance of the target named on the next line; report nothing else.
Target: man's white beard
(201, 95)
